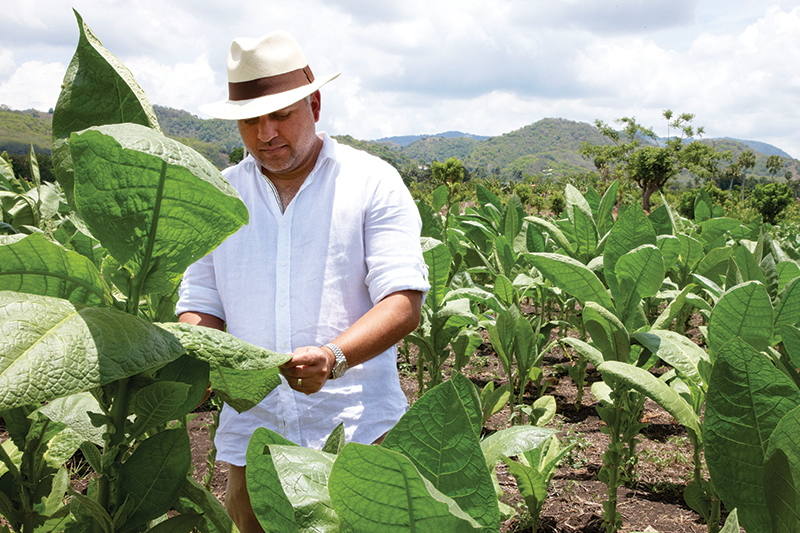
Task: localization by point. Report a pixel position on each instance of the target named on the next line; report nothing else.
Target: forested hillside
(21, 129)
(549, 147)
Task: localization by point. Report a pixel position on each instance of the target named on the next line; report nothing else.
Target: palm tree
(746, 159)
(774, 164)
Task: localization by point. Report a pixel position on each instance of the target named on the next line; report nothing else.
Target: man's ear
(316, 104)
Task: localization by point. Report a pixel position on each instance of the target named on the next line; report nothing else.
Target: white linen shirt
(299, 278)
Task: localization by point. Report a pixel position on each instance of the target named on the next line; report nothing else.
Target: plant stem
(716, 512)
(118, 414)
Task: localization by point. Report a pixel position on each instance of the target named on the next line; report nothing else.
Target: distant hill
(405, 140)
(547, 147)
(764, 148)
(21, 129)
(213, 138)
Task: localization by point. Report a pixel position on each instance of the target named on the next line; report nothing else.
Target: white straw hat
(265, 75)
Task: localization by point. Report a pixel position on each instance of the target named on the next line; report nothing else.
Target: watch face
(339, 368)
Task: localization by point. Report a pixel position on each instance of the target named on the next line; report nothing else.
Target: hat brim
(263, 105)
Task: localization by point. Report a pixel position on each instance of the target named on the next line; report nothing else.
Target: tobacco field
(606, 369)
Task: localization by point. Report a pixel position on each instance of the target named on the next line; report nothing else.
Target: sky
(429, 66)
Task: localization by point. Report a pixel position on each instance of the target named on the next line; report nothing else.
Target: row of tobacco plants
(625, 287)
(91, 359)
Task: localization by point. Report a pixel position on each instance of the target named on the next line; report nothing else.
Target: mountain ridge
(547, 147)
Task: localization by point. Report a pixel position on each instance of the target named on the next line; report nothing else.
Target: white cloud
(182, 86)
(416, 66)
(34, 85)
(7, 65)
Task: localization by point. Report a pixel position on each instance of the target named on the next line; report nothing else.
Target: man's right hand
(309, 368)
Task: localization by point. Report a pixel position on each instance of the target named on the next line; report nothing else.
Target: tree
(448, 173)
(771, 199)
(774, 164)
(652, 166)
(746, 160)
(236, 155)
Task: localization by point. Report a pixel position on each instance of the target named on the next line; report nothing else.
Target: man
(329, 267)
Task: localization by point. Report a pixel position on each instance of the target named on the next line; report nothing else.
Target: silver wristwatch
(340, 366)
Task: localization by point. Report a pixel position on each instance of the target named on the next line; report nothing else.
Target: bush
(557, 203)
(688, 198)
(524, 192)
(771, 199)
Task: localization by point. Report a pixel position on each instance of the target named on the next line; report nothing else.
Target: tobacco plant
(445, 322)
(533, 473)
(76, 331)
(633, 269)
(432, 473)
(751, 417)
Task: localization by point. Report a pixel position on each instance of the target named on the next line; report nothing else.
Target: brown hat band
(247, 90)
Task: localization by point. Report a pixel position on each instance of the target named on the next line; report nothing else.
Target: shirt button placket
(283, 319)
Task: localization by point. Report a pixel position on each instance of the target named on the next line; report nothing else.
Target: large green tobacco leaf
(243, 389)
(223, 349)
(155, 204)
(670, 247)
(744, 311)
(782, 474)
(242, 374)
(195, 498)
(689, 360)
(655, 389)
(632, 230)
(437, 436)
(267, 496)
(153, 476)
(572, 277)
(73, 411)
(97, 89)
(786, 438)
(747, 398)
(748, 265)
(607, 332)
(513, 441)
(781, 494)
(579, 214)
(51, 348)
(790, 336)
(304, 475)
(691, 252)
(605, 212)
(787, 306)
(187, 370)
(556, 234)
(640, 274)
(437, 257)
(470, 398)
(375, 489)
(34, 265)
(156, 404)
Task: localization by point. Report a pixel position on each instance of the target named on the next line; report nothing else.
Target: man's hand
(308, 369)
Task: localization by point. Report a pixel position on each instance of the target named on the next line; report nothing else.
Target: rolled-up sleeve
(392, 241)
(198, 292)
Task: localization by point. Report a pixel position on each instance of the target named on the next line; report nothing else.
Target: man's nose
(266, 129)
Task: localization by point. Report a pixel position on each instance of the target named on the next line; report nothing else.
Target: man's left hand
(308, 369)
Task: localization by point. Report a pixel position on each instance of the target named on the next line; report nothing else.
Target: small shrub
(557, 203)
(771, 199)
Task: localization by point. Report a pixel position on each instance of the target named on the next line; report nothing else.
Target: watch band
(340, 366)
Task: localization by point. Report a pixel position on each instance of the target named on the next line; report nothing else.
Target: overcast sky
(429, 66)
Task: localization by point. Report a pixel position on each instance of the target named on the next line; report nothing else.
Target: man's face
(284, 142)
